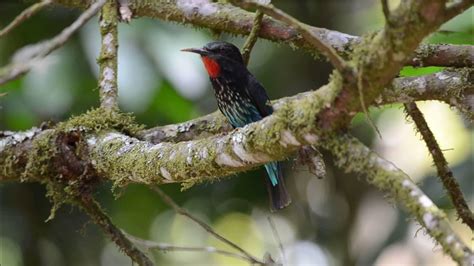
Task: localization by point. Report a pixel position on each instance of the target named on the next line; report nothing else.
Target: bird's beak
(195, 50)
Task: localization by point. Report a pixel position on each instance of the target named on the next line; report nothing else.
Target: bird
(242, 100)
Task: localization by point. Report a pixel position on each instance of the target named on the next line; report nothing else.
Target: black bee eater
(241, 99)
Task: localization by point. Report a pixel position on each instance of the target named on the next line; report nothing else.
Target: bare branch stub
(444, 172)
(107, 60)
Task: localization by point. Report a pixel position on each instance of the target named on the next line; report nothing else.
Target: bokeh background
(338, 220)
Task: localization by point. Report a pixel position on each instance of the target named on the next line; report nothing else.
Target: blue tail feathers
(279, 197)
(272, 171)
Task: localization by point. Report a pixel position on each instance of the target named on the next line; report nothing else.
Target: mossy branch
(445, 174)
(380, 57)
(354, 157)
(98, 216)
(222, 17)
(452, 86)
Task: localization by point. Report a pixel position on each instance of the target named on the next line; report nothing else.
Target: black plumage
(243, 100)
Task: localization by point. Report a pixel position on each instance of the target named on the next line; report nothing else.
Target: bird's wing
(259, 97)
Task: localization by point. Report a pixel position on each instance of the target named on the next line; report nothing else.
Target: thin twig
(26, 14)
(386, 12)
(442, 167)
(42, 49)
(151, 245)
(360, 84)
(253, 36)
(278, 239)
(97, 215)
(305, 31)
(202, 224)
(108, 56)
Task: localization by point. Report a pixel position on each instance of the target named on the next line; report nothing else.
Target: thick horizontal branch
(351, 155)
(216, 156)
(227, 18)
(124, 159)
(453, 86)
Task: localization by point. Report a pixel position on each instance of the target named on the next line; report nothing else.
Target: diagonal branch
(30, 55)
(381, 56)
(92, 208)
(169, 201)
(353, 156)
(24, 15)
(446, 175)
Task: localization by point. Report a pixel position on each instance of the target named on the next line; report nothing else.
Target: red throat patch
(212, 67)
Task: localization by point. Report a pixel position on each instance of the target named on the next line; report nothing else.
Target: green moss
(99, 119)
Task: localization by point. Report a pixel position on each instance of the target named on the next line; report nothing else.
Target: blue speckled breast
(235, 105)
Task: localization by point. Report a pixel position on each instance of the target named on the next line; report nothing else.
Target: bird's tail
(279, 197)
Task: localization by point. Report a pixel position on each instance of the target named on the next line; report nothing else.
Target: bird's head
(218, 55)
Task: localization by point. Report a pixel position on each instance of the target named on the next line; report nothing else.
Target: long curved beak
(195, 50)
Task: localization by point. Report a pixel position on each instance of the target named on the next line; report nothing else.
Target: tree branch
(108, 56)
(165, 247)
(227, 18)
(97, 215)
(24, 15)
(386, 12)
(305, 32)
(452, 86)
(27, 57)
(169, 201)
(253, 36)
(445, 174)
(125, 159)
(443, 55)
(353, 156)
(381, 56)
